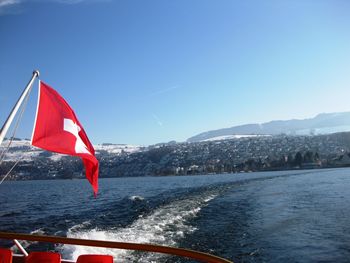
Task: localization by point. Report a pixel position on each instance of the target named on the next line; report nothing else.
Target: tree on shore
(298, 159)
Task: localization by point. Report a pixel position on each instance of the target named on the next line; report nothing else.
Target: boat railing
(199, 256)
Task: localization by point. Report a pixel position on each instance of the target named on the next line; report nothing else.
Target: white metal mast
(12, 115)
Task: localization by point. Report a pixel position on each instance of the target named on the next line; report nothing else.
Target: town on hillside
(249, 154)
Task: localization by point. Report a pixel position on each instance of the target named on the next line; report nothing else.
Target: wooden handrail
(201, 256)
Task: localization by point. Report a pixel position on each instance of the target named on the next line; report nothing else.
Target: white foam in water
(136, 198)
(165, 226)
(25, 243)
(79, 226)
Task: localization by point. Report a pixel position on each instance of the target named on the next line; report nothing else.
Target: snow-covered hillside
(116, 148)
(19, 150)
(22, 150)
(230, 137)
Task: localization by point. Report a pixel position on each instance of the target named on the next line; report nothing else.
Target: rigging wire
(9, 172)
(3, 153)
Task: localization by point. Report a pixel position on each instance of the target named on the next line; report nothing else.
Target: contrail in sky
(158, 92)
(157, 120)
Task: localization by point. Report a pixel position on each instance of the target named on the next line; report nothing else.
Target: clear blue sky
(143, 72)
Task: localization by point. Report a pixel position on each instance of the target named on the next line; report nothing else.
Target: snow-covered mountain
(324, 123)
(22, 150)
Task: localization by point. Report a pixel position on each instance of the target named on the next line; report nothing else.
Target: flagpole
(12, 115)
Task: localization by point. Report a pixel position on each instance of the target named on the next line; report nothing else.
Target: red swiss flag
(57, 129)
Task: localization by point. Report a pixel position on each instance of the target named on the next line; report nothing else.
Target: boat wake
(25, 244)
(166, 225)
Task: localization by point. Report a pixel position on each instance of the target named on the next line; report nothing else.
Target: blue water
(290, 216)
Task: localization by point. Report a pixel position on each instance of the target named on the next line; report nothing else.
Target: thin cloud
(7, 3)
(162, 91)
(155, 117)
(16, 6)
(9, 7)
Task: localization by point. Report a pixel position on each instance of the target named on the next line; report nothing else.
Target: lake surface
(289, 216)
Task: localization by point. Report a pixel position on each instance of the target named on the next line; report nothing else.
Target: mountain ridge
(323, 123)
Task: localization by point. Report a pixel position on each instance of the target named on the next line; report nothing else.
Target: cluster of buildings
(246, 154)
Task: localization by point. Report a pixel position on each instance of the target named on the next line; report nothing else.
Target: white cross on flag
(57, 129)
